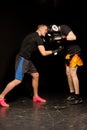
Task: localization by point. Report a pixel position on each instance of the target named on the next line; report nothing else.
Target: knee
(68, 73)
(73, 74)
(36, 76)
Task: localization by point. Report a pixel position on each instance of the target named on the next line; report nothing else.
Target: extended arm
(49, 52)
(43, 51)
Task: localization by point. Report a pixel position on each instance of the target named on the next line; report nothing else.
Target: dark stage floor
(56, 114)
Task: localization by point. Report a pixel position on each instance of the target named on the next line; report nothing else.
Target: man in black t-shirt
(72, 62)
(63, 35)
(24, 64)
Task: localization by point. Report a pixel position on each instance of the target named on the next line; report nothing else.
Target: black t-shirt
(71, 47)
(64, 29)
(30, 44)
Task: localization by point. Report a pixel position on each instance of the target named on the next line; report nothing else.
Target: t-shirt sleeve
(65, 29)
(39, 41)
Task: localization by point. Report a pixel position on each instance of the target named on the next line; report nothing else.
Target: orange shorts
(73, 61)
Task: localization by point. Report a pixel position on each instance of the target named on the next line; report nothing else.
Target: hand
(57, 51)
(63, 37)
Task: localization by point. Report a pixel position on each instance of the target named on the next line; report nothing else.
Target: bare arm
(43, 51)
(71, 36)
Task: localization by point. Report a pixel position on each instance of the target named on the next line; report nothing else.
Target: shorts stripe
(18, 74)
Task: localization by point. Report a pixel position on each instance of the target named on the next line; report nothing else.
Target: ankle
(36, 96)
(78, 95)
(1, 97)
(72, 93)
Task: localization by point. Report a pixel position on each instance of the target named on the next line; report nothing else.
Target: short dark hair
(41, 25)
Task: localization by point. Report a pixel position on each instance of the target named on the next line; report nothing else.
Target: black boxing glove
(57, 51)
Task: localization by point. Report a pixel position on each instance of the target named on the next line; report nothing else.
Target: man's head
(42, 29)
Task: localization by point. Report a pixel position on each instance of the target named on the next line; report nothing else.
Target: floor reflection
(3, 111)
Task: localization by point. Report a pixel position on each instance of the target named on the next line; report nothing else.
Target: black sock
(78, 95)
(72, 93)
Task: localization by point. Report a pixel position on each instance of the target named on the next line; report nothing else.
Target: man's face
(44, 30)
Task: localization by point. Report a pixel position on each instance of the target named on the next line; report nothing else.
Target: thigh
(23, 66)
(73, 70)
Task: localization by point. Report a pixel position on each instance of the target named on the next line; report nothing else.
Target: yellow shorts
(74, 61)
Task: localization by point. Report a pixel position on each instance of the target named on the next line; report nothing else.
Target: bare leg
(74, 76)
(75, 80)
(9, 87)
(70, 81)
(35, 80)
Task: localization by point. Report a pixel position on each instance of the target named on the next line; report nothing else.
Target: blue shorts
(23, 66)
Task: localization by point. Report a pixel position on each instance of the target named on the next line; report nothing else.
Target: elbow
(43, 54)
(46, 53)
(71, 38)
(74, 38)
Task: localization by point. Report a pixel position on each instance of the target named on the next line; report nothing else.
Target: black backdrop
(17, 20)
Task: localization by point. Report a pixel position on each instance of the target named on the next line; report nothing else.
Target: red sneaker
(39, 99)
(3, 103)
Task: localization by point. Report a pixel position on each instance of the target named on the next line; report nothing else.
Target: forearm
(46, 53)
(43, 51)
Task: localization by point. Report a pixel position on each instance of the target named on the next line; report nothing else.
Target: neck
(38, 32)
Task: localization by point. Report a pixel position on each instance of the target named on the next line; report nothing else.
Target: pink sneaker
(3, 103)
(39, 99)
